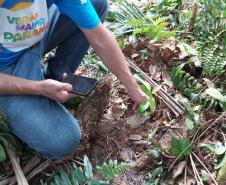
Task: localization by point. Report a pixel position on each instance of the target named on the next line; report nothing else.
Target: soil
(111, 130)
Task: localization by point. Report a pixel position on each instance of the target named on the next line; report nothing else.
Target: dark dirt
(112, 131)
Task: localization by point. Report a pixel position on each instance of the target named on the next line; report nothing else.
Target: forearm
(10, 85)
(112, 56)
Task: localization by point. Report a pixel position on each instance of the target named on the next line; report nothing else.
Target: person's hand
(138, 96)
(55, 90)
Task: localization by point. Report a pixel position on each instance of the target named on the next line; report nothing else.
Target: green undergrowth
(85, 175)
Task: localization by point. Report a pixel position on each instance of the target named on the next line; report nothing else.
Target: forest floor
(111, 130)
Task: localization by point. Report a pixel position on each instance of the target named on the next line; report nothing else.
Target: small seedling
(150, 105)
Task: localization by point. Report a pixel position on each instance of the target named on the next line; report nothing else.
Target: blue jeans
(44, 124)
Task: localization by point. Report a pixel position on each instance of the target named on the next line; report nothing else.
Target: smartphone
(82, 85)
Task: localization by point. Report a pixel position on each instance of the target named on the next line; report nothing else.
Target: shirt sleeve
(81, 12)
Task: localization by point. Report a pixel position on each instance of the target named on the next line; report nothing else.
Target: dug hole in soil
(111, 130)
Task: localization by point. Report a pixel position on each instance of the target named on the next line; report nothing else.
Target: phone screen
(81, 85)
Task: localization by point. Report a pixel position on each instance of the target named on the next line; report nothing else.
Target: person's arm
(10, 85)
(106, 46)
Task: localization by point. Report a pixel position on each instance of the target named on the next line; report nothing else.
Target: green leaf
(80, 176)
(73, 176)
(156, 89)
(101, 64)
(152, 103)
(140, 80)
(211, 147)
(215, 93)
(152, 134)
(190, 50)
(145, 89)
(189, 124)
(221, 176)
(217, 148)
(180, 147)
(156, 173)
(143, 106)
(99, 182)
(88, 168)
(121, 41)
(10, 139)
(112, 169)
(64, 178)
(2, 154)
(57, 180)
(223, 162)
(153, 152)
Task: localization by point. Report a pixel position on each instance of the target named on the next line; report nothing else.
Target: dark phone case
(81, 85)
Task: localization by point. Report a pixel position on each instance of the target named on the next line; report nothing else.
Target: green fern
(184, 82)
(211, 38)
(77, 176)
(213, 60)
(112, 169)
(83, 176)
(130, 19)
(156, 31)
(192, 88)
(5, 137)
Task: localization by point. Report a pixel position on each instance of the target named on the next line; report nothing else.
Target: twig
(194, 140)
(21, 179)
(7, 181)
(37, 170)
(185, 174)
(215, 182)
(162, 94)
(219, 118)
(77, 162)
(193, 17)
(34, 162)
(196, 173)
(26, 170)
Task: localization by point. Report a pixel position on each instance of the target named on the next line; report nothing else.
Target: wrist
(36, 88)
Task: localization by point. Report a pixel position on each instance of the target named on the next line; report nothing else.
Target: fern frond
(130, 19)
(190, 87)
(111, 169)
(5, 137)
(77, 176)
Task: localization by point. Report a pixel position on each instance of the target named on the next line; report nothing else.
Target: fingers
(135, 106)
(65, 96)
(65, 87)
(64, 75)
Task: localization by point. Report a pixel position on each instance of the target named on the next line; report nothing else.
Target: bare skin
(105, 46)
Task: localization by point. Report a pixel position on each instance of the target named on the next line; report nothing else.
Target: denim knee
(101, 7)
(62, 144)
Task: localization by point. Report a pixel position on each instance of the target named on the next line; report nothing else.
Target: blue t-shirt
(23, 23)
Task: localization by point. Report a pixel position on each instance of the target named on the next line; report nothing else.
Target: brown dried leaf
(167, 54)
(135, 137)
(134, 55)
(178, 169)
(165, 140)
(128, 50)
(135, 121)
(116, 110)
(143, 161)
(127, 155)
(155, 72)
(189, 181)
(154, 47)
(182, 52)
(209, 83)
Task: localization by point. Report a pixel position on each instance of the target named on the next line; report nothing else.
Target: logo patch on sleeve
(83, 2)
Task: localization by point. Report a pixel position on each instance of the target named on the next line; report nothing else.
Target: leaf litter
(111, 130)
